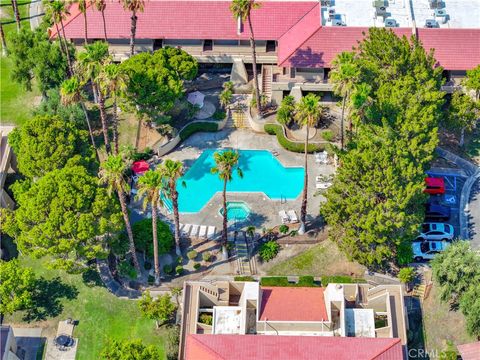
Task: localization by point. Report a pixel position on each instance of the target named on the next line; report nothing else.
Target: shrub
(179, 269)
(197, 266)
(327, 135)
(269, 250)
(293, 233)
(283, 229)
(273, 129)
(168, 269)
(192, 254)
(192, 128)
(286, 110)
(172, 343)
(219, 115)
(406, 274)
(126, 269)
(275, 281)
(147, 265)
(143, 237)
(206, 256)
(243, 278)
(151, 279)
(206, 319)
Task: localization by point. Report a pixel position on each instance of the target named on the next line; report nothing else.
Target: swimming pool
(262, 172)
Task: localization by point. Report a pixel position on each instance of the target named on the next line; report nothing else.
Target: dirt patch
(441, 324)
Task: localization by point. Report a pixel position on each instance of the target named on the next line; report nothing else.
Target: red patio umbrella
(139, 167)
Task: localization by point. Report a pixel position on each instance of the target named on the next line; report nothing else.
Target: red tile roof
(185, 19)
(267, 347)
(470, 351)
(293, 304)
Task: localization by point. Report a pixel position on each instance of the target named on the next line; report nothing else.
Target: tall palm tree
(57, 10)
(82, 6)
(4, 42)
(149, 187)
(112, 174)
(241, 9)
(308, 112)
(134, 6)
(16, 13)
(113, 82)
(171, 171)
(344, 75)
(226, 162)
(90, 63)
(100, 5)
(71, 93)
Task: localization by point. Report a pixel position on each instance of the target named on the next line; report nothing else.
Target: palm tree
(100, 5)
(4, 42)
(241, 9)
(307, 114)
(344, 75)
(112, 174)
(71, 93)
(16, 13)
(171, 171)
(149, 187)
(57, 10)
(82, 6)
(113, 82)
(90, 63)
(133, 6)
(225, 164)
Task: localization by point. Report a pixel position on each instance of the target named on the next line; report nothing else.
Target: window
(157, 44)
(271, 46)
(207, 45)
(226, 42)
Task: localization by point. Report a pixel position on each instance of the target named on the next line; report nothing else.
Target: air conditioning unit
(390, 23)
(338, 22)
(431, 24)
(379, 3)
(381, 11)
(331, 14)
(326, 2)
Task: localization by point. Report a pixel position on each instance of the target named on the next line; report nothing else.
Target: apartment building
(296, 40)
(245, 320)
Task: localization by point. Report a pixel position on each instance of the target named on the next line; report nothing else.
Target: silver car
(435, 231)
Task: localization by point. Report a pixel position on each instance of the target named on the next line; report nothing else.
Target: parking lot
(453, 188)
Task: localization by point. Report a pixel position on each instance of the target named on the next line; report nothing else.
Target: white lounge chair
(194, 231)
(283, 215)
(293, 216)
(211, 232)
(186, 230)
(323, 185)
(203, 232)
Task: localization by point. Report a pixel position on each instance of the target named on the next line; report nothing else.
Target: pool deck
(263, 210)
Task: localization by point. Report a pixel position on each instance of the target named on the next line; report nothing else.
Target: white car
(426, 250)
(435, 231)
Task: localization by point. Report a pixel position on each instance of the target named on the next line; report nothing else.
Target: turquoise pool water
(262, 172)
(237, 210)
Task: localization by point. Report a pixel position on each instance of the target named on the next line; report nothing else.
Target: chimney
(239, 26)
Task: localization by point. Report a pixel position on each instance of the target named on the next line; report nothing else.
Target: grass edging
(299, 147)
(308, 281)
(194, 127)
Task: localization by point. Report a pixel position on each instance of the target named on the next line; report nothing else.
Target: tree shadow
(47, 298)
(91, 278)
(307, 58)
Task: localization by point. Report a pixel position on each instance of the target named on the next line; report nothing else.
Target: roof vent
(431, 24)
(390, 23)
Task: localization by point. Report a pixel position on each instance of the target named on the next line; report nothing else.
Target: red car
(435, 186)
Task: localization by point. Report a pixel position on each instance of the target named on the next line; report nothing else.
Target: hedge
(194, 127)
(340, 280)
(303, 281)
(243, 278)
(274, 129)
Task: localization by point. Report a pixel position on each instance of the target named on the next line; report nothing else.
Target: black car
(437, 212)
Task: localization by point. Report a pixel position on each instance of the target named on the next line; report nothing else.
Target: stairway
(243, 255)
(267, 74)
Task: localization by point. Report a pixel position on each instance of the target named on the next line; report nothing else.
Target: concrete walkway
(469, 200)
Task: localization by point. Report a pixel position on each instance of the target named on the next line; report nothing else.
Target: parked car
(435, 186)
(435, 231)
(426, 250)
(436, 212)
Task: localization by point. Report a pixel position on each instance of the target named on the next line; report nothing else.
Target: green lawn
(101, 315)
(16, 104)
